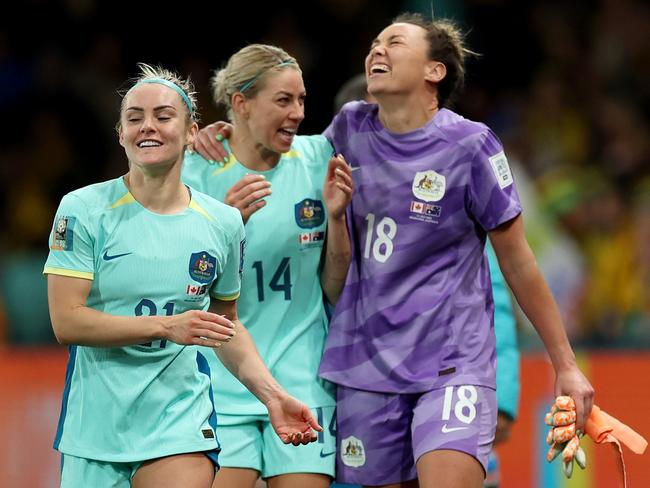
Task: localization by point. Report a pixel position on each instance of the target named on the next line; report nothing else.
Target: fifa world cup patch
(63, 233)
(429, 186)
(501, 169)
(353, 452)
(202, 267)
(309, 213)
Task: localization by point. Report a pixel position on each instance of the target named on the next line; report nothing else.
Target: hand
(570, 381)
(247, 195)
(337, 190)
(293, 421)
(199, 328)
(208, 141)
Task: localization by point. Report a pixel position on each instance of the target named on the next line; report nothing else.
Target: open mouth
(379, 68)
(148, 143)
(287, 132)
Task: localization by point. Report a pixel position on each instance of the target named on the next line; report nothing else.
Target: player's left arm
(529, 287)
(337, 193)
(292, 420)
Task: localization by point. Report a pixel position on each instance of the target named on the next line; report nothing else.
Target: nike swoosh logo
(326, 454)
(114, 256)
(446, 430)
(354, 168)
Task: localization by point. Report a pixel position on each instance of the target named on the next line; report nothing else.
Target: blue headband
(171, 85)
(248, 84)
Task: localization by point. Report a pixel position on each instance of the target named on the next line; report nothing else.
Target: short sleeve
(493, 196)
(323, 149)
(71, 241)
(228, 284)
(337, 131)
(318, 151)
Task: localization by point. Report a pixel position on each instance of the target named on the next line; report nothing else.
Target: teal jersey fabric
(139, 402)
(281, 302)
(506, 340)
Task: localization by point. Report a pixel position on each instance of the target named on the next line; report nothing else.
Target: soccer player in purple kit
(411, 343)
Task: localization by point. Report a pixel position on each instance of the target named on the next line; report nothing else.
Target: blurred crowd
(565, 85)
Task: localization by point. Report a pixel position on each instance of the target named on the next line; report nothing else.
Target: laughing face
(276, 111)
(154, 126)
(397, 60)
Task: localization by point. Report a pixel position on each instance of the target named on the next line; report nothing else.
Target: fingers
(208, 144)
(255, 192)
(298, 438)
(340, 169)
(339, 177)
(212, 330)
(249, 191)
(344, 180)
(211, 339)
(312, 422)
(223, 128)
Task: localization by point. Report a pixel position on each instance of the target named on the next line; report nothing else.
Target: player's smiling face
(274, 114)
(154, 126)
(397, 59)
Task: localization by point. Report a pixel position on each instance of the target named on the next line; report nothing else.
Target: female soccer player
(141, 270)
(411, 345)
(292, 196)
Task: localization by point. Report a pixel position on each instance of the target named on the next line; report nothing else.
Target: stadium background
(566, 85)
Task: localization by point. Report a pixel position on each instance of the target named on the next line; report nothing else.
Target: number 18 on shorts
(381, 435)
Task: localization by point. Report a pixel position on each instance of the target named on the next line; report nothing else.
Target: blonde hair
(246, 72)
(148, 72)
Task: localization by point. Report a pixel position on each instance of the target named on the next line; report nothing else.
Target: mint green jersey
(124, 404)
(281, 303)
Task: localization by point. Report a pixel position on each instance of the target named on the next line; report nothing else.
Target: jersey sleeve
(493, 196)
(228, 284)
(337, 131)
(320, 152)
(323, 149)
(71, 241)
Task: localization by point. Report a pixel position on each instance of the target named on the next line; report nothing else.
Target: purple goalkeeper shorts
(382, 435)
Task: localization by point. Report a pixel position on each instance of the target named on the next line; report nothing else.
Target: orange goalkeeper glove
(563, 437)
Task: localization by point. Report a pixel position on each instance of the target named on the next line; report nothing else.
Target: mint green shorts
(249, 441)
(77, 471)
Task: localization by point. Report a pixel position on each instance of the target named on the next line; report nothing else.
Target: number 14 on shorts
(461, 401)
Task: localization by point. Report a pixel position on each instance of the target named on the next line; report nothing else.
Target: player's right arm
(75, 323)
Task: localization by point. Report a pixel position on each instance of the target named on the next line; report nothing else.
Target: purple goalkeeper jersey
(416, 312)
